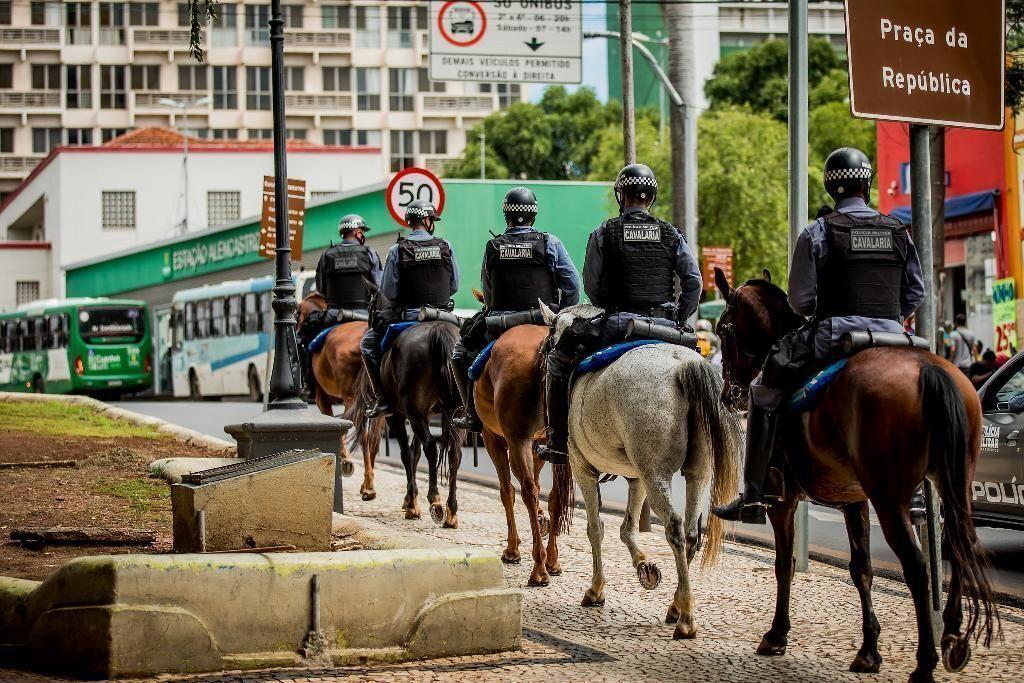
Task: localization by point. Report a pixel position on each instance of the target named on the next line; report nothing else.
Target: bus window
(266, 312)
(251, 321)
(26, 336)
(234, 311)
(202, 319)
(65, 329)
(177, 328)
(4, 339)
(39, 332)
(53, 338)
(190, 321)
(111, 325)
(217, 318)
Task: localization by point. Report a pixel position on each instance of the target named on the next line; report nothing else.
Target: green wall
(472, 209)
(647, 19)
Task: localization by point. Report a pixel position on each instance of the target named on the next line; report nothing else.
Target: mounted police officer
(420, 270)
(632, 265)
(521, 267)
(853, 269)
(340, 274)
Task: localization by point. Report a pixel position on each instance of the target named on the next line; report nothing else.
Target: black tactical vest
(344, 266)
(863, 271)
(520, 275)
(424, 273)
(639, 262)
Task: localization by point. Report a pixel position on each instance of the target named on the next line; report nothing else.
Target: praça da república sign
(927, 61)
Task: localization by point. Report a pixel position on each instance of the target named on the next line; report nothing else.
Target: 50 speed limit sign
(409, 185)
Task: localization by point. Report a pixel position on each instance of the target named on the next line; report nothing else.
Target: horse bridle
(730, 342)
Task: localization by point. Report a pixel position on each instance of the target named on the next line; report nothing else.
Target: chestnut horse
(510, 402)
(892, 417)
(337, 374)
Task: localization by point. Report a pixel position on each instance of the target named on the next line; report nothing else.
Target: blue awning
(965, 204)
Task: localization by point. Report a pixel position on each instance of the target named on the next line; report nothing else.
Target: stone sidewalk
(626, 640)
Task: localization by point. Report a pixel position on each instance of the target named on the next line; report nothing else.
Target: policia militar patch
(641, 233)
(870, 239)
(427, 253)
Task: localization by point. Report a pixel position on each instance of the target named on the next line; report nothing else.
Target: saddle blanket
(808, 396)
(392, 333)
(477, 368)
(607, 356)
(318, 340)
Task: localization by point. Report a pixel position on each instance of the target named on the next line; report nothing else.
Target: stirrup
(743, 512)
(555, 457)
(471, 423)
(379, 409)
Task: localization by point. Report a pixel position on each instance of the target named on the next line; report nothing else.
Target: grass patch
(54, 418)
(142, 495)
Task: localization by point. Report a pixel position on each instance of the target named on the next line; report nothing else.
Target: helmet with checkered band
(636, 181)
(418, 210)
(350, 222)
(519, 206)
(848, 172)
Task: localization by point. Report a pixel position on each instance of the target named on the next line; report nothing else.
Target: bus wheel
(255, 394)
(38, 386)
(193, 386)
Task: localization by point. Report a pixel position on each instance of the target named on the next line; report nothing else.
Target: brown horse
(892, 417)
(510, 403)
(337, 375)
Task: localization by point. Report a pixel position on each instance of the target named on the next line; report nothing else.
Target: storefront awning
(965, 204)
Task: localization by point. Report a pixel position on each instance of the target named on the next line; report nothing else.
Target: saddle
(477, 367)
(320, 339)
(391, 335)
(608, 355)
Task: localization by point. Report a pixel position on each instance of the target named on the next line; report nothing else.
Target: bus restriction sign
(409, 185)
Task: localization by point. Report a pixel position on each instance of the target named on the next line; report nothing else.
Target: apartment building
(82, 73)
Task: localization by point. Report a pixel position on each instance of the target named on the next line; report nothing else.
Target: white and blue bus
(220, 337)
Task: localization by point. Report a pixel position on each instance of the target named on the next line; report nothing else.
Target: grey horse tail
(442, 342)
(712, 424)
(364, 430)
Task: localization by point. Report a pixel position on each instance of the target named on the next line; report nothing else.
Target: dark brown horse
(892, 417)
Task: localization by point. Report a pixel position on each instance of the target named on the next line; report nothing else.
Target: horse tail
(362, 426)
(442, 343)
(711, 424)
(563, 499)
(946, 425)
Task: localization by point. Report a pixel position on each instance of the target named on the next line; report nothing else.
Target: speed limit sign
(409, 185)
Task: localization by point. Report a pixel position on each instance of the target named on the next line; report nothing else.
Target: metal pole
(184, 109)
(798, 190)
(483, 152)
(628, 108)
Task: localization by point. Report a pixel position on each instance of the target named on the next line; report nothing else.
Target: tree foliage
(1015, 45)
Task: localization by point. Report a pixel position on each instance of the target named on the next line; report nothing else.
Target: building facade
(82, 73)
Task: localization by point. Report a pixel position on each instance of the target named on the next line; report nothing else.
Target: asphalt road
(827, 529)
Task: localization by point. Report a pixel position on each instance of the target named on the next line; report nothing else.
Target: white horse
(653, 412)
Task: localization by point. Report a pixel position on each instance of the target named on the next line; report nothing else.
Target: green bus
(87, 346)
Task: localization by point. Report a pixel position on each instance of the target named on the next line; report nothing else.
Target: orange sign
(296, 218)
(716, 257)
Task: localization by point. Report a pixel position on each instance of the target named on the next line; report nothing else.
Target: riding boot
(306, 359)
(750, 507)
(556, 451)
(380, 408)
(918, 507)
(468, 420)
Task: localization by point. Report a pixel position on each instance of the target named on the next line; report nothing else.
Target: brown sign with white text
(716, 257)
(296, 218)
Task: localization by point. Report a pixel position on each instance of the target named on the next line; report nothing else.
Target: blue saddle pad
(318, 340)
(607, 356)
(392, 333)
(481, 360)
(809, 394)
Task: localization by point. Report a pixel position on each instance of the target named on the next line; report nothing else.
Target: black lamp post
(287, 423)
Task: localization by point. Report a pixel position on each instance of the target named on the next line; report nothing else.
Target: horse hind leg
(586, 478)
(629, 533)
(782, 516)
(659, 493)
(453, 452)
(520, 457)
(396, 425)
(421, 429)
(858, 527)
(497, 448)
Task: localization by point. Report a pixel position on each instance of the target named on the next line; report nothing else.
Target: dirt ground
(110, 487)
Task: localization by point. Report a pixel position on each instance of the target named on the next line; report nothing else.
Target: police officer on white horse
(632, 266)
(853, 269)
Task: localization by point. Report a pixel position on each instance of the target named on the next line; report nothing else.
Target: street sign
(1004, 316)
(716, 257)
(927, 61)
(409, 185)
(507, 41)
(296, 217)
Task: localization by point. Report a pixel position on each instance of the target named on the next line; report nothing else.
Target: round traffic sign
(462, 22)
(409, 185)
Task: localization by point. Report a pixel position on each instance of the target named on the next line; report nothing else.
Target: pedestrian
(961, 344)
(980, 371)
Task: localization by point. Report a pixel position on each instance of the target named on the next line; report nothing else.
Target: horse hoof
(956, 653)
(684, 632)
(649, 575)
(672, 616)
(368, 495)
(866, 664)
(591, 600)
(769, 649)
(437, 513)
(510, 558)
(348, 468)
(538, 582)
(545, 526)
(555, 569)
(451, 522)
(412, 514)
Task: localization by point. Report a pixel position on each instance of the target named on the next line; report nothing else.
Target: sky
(595, 56)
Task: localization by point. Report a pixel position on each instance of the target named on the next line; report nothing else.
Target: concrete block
(266, 504)
(172, 469)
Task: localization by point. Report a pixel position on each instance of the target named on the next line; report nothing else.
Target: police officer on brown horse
(420, 270)
(521, 268)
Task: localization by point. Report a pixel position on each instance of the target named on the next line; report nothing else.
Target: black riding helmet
(350, 222)
(519, 206)
(636, 181)
(420, 209)
(848, 171)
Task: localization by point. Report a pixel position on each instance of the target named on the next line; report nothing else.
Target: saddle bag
(347, 315)
(496, 324)
(430, 313)
(851, 342)
(645, 329)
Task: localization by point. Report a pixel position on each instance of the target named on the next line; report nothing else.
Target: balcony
(318, 103)
(31, 99)
(168, 40)
(148, 101)
(324, 39)
(457, 105)
(29, 38)
(437, 163)
(18, 167)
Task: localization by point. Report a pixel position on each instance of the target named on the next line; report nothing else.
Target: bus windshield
(111, 325)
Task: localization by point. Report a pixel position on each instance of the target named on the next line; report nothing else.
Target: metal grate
(249, 466)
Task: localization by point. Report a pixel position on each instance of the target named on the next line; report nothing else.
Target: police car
(997, 492)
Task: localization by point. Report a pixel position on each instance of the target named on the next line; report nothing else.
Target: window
(192, 77)
(223, 133)
(145, 77)
(27, 332)
(143, 13)
(234, 315)
(46, 13)
(225, 89)
(108, 134)
(222, 207)
(190, 320)
(7, 140)
(266, 314)
(402, 150)
(79, 86)
(508, 94)
(335, 16)
(202, 319)
(77, 19)
(400, 27)
(6, 76)
(433, 142)
(251, 315)
(367, 26)
(337, 78)
(427, 85)
(112, 23)
(118, 210)
(5, 12)
(45, 139)
(294, 78)
(261, 133)
(217, 322)
(225, 27)
(46, 76)
(26, 291)
(257, 87)
(113, 93)
(79, 136)
(257, 18)
(402, 86)
(295, 133)
(367, 89)
(292, 16)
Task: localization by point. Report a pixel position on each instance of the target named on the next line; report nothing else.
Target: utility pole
(628, 107)
(679, 21)
(483, 152)
(184, 226)
(938, 199)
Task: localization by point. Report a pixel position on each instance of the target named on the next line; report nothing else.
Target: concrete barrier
(140, 615)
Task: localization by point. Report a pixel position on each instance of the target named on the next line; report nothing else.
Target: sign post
(410, 185)
(487, 41)
(296, 218)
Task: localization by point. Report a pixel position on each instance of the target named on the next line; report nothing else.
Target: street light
(184, 107)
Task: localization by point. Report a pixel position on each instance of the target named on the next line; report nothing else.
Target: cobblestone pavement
(626, 640)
